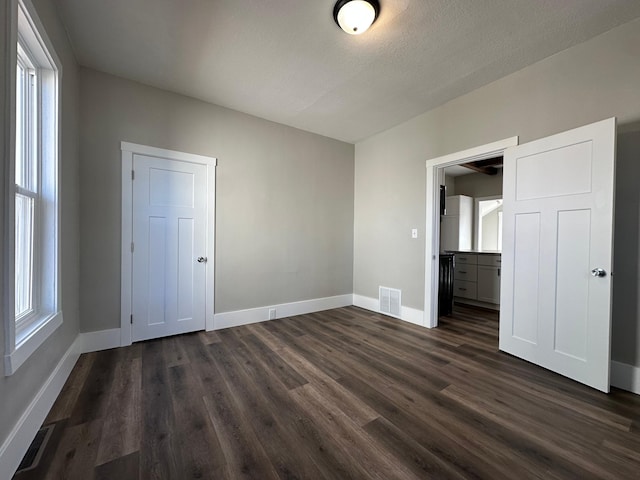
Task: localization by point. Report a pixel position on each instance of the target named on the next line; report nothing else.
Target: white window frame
(30, 149)
(24, 335)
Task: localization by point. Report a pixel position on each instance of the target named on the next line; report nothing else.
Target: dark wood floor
(339, 394)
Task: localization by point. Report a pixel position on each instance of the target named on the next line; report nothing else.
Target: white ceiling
(287, 61)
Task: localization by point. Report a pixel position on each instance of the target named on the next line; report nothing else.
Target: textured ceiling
(287, 61)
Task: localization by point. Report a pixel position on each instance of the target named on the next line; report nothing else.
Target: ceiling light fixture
(356, 16)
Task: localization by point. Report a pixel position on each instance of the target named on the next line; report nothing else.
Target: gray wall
(18, 390)
(626, 265)
(450, 183)
(479, 185)
(586, 83)
(284, 206)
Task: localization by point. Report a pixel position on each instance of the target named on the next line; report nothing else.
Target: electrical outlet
(272, 314)
(414, 233)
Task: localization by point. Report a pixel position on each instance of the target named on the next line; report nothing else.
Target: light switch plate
(414, 233)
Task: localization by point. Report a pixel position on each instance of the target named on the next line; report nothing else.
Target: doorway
(167, 242)
(435, 177)
(470, 246)
(558, 250)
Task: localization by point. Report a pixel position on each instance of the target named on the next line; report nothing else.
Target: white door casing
(557, 227)
(168, 223)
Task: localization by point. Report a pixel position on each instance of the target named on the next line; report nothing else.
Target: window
(489, 223)
(36, 289)
(26, 168)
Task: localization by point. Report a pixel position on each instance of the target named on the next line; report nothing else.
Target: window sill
(31, 343)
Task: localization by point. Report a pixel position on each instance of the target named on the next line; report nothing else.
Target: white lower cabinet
(477, 278)
(488, 284)
(465, 289)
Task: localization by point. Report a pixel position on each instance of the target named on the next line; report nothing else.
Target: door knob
(598, 272)
(202, 259)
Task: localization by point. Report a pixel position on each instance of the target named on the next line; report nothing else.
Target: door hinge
(133, 174)
(132, 247)
(132, 319)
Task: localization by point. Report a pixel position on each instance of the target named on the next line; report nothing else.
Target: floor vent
(390, 301)
(32, 458)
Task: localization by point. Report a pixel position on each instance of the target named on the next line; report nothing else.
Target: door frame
(432, 230)
(126, 256)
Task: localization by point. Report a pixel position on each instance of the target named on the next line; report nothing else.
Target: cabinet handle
(462, 289)
(462, 271)
(498, 272)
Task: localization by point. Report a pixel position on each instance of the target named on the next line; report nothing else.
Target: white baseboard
(100, 340)
(19, 439)
(261, 314)
(626, 377)
(105, 339)
(408, 314)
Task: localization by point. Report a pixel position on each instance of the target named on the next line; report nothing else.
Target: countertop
(483, 252)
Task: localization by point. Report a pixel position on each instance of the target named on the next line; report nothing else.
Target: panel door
(169, 237)
(558, 229)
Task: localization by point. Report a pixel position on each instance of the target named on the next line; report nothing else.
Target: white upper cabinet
(456, 224)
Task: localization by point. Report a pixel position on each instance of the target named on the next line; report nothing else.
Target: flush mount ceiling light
(356, 16)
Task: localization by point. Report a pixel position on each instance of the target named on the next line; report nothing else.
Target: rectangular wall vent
(33, 455)
(390, 301)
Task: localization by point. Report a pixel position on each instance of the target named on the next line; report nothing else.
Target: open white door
(169, 240)
(558, 252)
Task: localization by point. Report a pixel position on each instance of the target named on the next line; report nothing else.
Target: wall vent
(33, 455)
(390, 301)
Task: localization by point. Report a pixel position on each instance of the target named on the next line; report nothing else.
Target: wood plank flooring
(341, 394)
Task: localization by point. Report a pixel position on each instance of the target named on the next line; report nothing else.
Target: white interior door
(558, 228)
(169, 247)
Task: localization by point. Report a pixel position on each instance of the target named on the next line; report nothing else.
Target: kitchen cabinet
(488, 284)
(455, 225)
(477, 278)
(465, 281)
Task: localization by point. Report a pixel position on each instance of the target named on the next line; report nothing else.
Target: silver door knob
(202, 259)
(598, 272)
